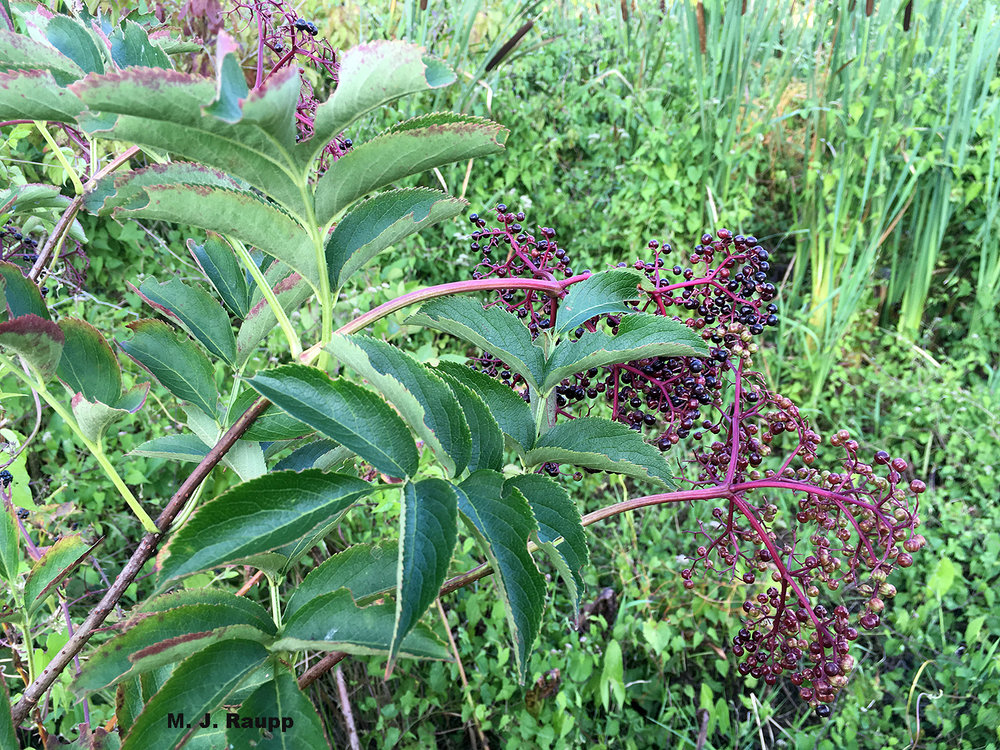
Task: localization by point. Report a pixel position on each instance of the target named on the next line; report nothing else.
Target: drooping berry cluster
(790, 531)
(22, 249)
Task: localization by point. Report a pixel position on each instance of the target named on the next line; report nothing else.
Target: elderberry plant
(605, 371)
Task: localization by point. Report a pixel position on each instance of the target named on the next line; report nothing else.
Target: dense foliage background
(858, 141)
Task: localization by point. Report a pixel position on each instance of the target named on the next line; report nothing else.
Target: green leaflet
(422, 398)
(176, 363)
(366, 570)
(603, 293)
(370, 76)
(560, 531)
(353, 416)
(428, 526)
(220, 264)
(407, 148)
(88, 365)
(20, 293)
(604, 445)
(20, 52)
(503, 525)
(290, 289)
(272, 425)
(381, 221)
(292, 720)
(10, 539)
(487, 439)
(61, 559)
(197, 312)
(119, 658)
(258, 517)
(639, 335)
(184, 447)
(35, 95)
(511, 411)
(333, 622)
(492, 329)
(130, 47)
(94, 417)
(37, 340)
(8, 737)
(73, 40)
(188, 692)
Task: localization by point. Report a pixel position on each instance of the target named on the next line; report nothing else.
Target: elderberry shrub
(745, 448)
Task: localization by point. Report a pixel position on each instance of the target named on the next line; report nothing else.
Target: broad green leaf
(259, 516)
(21, 294)
(320, 454)
(292, 723)
(238, 213)
(127, 189)
(197, 312)
(560, 532)
(176, 363)
(290, 289)
(509, 409)
(366, 570)
(422, 398)
(173, 447)
(353, 416)
(602, 294)
(503, 525)
(273, 424)
(94, 417)
(370, 76)
(118, 659)
(88, 365)
(613, 675)
(20, 52)
(220, 265)
(381, 221)
(59, 561)
(253, 613)
(37, 340)
(22, 199)
(428, 527)
(333, 622)
(130, 47)
(128, 704)
(408, 148)
(246, 458)
(487, 439)
(10, 557)
(35, 95)
(173, 112)
(604, 445)
(8, 737)
(189, 693)
(495, 330)
(639, 336)
(74, 41)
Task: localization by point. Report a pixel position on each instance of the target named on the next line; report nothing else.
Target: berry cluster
(841, 531)
(18, 247)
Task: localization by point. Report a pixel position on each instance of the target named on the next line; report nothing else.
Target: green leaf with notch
(333, 622)
(37, 340)
(94, 417)
(495, 330)
(119, 658)
(407, 148)
(639, 336)
(428, 527)
(604, 445)
(179, 366)
(422, 398)
(382, 221)
(285, 706)
(366, 570)
(59, 561)
(258, 517)
(353, 416)
(197, 312)
(509, 409)
(560, 531)
(372, 75)
(188, 692)
(503, 525)
(130, 47)
(602, 294)
(220, 264)
(487, 438)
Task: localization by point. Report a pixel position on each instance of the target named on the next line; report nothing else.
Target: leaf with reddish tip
(177, 364)
(94, 417)
(197, 312)
(372, 75)
(61, 559)
(20, 293)
(408, 148)
(126, 189)
(37, 340)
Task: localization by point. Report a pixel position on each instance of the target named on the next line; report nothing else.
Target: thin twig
(345, 708)
(465, 681)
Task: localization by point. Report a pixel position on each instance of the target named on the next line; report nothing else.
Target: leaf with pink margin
(94, 417)
(59, 561)
(37, 340)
